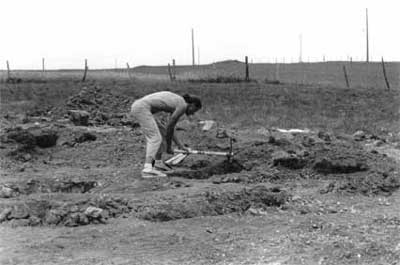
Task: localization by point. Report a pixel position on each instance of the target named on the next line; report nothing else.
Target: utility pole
(198, 55)
(366, 16)
(301, 48)
(8, 70)
(193, 60)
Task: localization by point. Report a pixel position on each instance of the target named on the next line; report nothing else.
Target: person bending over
(144, 108)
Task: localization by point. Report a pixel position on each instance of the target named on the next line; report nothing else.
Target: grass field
(311, 95)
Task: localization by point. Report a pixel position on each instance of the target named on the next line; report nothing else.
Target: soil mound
(102, 105)
(45, 186)
(44, 212)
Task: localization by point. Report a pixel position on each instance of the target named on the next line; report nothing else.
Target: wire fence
(336, 74)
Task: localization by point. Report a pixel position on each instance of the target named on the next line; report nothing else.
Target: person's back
(163, 101)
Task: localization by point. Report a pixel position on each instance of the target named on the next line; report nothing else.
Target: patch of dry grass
(244, 105)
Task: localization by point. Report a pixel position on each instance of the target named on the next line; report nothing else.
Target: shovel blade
(176, 159)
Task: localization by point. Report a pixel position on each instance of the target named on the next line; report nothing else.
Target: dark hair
(192, 100)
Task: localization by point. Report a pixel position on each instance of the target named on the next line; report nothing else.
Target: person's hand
(184, 148)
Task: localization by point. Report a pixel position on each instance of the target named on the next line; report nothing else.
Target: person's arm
(177, 141)
(171, 126)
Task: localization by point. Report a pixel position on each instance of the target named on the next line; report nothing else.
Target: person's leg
(153, 137)
(159, 163)
(163, 146)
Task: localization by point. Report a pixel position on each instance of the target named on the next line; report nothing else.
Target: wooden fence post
(173, 69)
(129, 71)
(346, 76)
(170, 73)
(8, 70)
(247, 78)
(43, 69)
(277, 72)
(85, 71)
(384, 75)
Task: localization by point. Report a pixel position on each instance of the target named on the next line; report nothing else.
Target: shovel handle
(198, 152)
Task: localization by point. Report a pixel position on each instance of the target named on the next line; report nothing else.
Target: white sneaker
(152, 173)
(160, 165)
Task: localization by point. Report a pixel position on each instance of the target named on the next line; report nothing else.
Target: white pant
(155, 143)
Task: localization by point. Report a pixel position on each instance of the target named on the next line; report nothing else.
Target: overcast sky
(152, 32)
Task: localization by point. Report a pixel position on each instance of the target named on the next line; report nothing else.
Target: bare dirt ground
(73, 194)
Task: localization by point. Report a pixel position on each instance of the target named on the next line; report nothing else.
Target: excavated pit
(224, 167)
(214, 203)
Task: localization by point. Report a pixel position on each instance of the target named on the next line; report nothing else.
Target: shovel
(182, 154)
(176, 159)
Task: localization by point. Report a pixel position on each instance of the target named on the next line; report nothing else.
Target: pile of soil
(46, 186)
(103, 106)
(49, 212)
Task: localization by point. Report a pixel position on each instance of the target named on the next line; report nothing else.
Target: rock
(324, 136)
(222, 133)
(34, 221)
(19, 212)
(75, 219)
(280, 140)
(53, 217)
(74, 209)
(101, 117)
(359, 135)
(93, 212)
(378, 143)
(292, 161)
(257, 211)
(128, 122)
(114, 122)
(83, 219)
(343, 165)
(45, 137)
(68, 143)
(328, 188)
(79, 117)
(19, 222)
(5, 214)
(84, 137)
(7, 192)
(72, 220)
(207, 125)
(296, 198)
(397, 146)
(25, 157)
